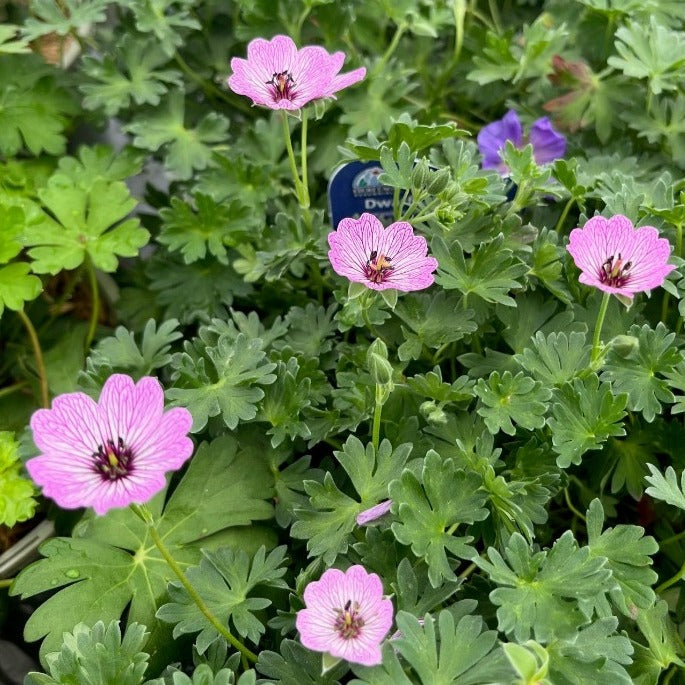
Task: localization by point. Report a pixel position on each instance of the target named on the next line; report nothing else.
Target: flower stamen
(113, 461)
(349, 623)
(283, 85)
(378, 267)
(615, 273)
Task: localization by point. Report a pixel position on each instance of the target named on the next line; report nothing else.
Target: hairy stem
(95, 302)
(399, 32)
(671, 581)
(564, 214)
(378, 410)
(38, 354)
(598, 327)
(303, 153)
(146, 515)
(293, 162)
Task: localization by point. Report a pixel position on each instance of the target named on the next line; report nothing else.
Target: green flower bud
(625, 345)
(419, 175)
(378, 364)
(438, 181)
(433, 413)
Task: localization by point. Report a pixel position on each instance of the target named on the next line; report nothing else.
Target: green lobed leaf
(224, 579)
(665, 486)
(537, 592)
(17, 493)
(489, 273)
(595, 654)
(556, 358)
(131, 75)
(69, 16)
(628, 553)
(220, 379)
(460, 651)
(507, 399)
(206, 227)
(97, 655)
(650, 51)
(88, 222)
(186, 149)
(584, 415)
(296, 665)
(122, 353)
(34, 107)
(17, 285)
(430, 510)
(167, 20)
(638, 373)
(329, 521)
(433, 321)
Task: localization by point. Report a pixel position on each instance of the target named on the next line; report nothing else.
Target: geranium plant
(437, 441)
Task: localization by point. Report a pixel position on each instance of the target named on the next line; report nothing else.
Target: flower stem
(6, 582)
(38, 354)
(378, 410)
(303, 152)
(671, 581)
(459, 10)
(293, 162)
(9, 389)
(494, 13)
(672, 539)
(564, 214)
(571, 506)
(146, 515)
(95, 303)
(467, 571)
(399, 32)
(598, 327)
(210, 90)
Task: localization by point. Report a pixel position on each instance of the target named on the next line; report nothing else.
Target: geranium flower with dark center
(346, 615)
(279, 76)
(109, 453)
(381, 258)
(618, 258)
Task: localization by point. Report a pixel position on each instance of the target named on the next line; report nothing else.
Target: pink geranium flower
(618, 258)
(109, 453)
(278, 75)
(381, 258)
(346, 616)
(369, 515)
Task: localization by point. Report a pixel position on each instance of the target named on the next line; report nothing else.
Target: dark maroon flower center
(349, 623)
(378, 268)
(615, 272)
(113, 461)
(282, 86)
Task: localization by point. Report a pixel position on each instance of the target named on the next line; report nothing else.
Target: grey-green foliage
(97, 656)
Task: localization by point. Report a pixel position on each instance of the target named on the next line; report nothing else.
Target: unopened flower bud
(419, 175)
(438, 181)
(625, 345)
(433, 413)
(377, 362)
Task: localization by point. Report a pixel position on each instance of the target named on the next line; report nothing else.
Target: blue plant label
(354, 188)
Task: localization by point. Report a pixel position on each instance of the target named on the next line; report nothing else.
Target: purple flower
(346, 616)
(381, 258)
(618, 258)
(278, 75)
(547, 143)
(109, 453)
(373, 513)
